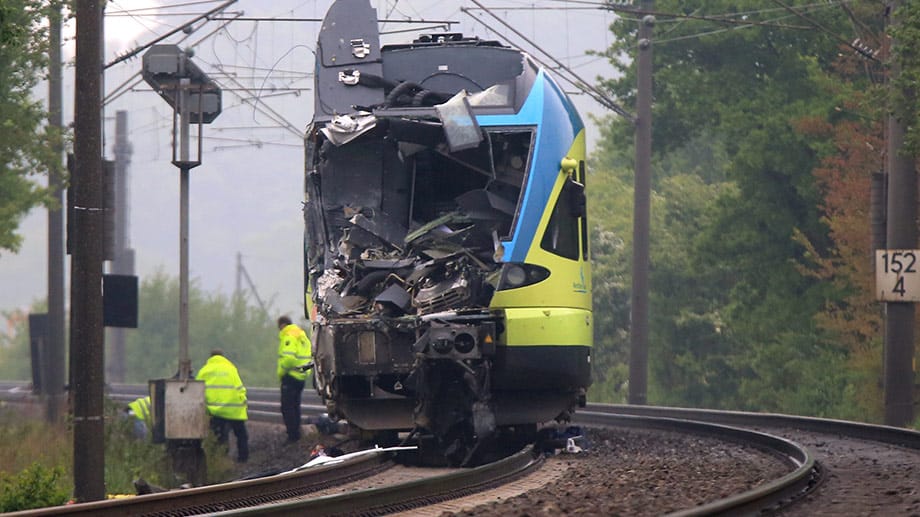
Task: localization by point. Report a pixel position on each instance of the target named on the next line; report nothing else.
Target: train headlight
(519, 275)
(515, 276)
(464, 343)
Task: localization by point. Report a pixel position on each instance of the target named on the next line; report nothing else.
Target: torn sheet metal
(396, 297)
(323, 459)
(460, 126)
(345, 128)
(384, 227)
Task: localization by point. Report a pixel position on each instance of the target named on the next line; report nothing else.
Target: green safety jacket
(294, 351)
(224, 392)
(141, 409)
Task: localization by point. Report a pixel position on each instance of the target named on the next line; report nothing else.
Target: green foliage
(24, 441)
(907, 63)
(35, 487)
(219, 459)
(34, 463)
(15, 356)
(246, 334)
(795, 374)
(35, 460)
(732, 316)
(26, 145)
(128, 458)
(690, 340)
(609, 205)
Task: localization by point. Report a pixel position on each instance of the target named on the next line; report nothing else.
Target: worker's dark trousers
(291, 391)
(219, 427)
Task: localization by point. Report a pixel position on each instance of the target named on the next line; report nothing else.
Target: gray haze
(246, 196)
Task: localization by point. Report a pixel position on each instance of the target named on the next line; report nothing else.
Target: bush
(127, 457)
(219, 459)
(35, 487)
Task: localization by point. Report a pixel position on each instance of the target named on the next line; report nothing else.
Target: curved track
(869, 469)
(804, 472)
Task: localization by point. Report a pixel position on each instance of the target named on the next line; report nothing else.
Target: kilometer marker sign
(897, 275)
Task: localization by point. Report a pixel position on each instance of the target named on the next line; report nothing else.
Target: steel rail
(408, 495)
(804, 477)
(726, 425)
(224, 497)
(871, 432)
(289, 493)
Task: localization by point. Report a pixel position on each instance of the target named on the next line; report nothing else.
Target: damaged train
(447, 274)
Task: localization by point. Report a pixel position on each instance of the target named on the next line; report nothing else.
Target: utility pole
(53, 360)
(242, 273)
(185, 164)
(123, 263)
(195, 98)
(239, 275)
(901, 235)
(86, 334)
(638, 352)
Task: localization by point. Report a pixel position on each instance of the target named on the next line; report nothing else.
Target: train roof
(354, 73)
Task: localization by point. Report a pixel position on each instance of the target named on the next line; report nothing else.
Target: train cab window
(484, 182)
(562, 232)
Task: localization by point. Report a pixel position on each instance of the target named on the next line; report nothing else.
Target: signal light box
(165, 65)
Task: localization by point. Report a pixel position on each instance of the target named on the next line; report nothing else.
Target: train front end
(446, 250)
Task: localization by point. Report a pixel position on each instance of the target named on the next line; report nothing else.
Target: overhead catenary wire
(320, 20)
(156, 9)
(860, 50)
(743, 18)
(132, 83)
(135, 18)
(579, 83)
(274, 90)
(269, 112)
(136, 78)
(138, 50)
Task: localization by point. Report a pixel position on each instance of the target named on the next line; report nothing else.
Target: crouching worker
(225, 397)
(139, 410)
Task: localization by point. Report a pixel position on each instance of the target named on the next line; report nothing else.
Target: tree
(25, 144)
(733, 317)
(245, 333)
(609, 202)
(15, 355)
(855, 318)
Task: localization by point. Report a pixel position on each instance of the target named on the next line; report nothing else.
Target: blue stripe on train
(557, 124)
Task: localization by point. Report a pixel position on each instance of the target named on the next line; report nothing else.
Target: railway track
(803, 472)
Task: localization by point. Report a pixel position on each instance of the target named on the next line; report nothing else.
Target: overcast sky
(246, 196)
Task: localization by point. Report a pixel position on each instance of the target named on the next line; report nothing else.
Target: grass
(36, 459)
(34, 463)
(24, 443)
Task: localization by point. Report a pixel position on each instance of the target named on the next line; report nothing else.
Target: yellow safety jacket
(224, 392)
(141, 409)
(294, 351)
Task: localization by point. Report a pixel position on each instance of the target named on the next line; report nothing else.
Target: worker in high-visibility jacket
(140, 410)
(225, 397)
(294, 362)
